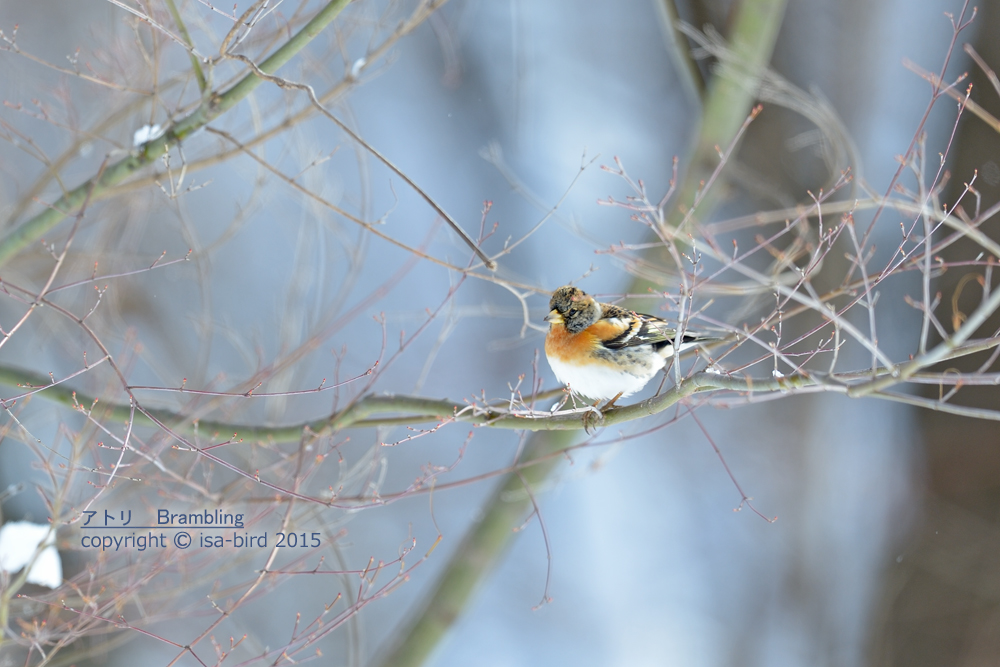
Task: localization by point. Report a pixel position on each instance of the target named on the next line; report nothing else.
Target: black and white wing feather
(645, 330)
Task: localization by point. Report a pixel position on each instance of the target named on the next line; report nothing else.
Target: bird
(605, 352)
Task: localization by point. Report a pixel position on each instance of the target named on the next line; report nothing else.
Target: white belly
(602, 383)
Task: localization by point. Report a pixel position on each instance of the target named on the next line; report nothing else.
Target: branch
(397, 409)
(195, 63)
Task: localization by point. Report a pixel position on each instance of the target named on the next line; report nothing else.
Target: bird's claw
(594, 413)
(592, 417)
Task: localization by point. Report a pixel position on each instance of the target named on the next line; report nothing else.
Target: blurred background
(885, 548)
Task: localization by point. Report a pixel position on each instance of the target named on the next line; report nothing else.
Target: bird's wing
(623, 328)
(646, 330)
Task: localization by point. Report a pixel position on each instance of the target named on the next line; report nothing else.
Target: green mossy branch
(396, 409)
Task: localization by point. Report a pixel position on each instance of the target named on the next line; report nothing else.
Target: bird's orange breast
(578, 348)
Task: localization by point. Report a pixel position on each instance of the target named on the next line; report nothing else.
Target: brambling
(603, 351)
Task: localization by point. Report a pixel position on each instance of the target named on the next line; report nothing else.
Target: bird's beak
(554, 317)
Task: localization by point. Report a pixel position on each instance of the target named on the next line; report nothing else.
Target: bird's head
(573, 308)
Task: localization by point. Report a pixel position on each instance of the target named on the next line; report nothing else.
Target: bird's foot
(594, 416)
(592, 419)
